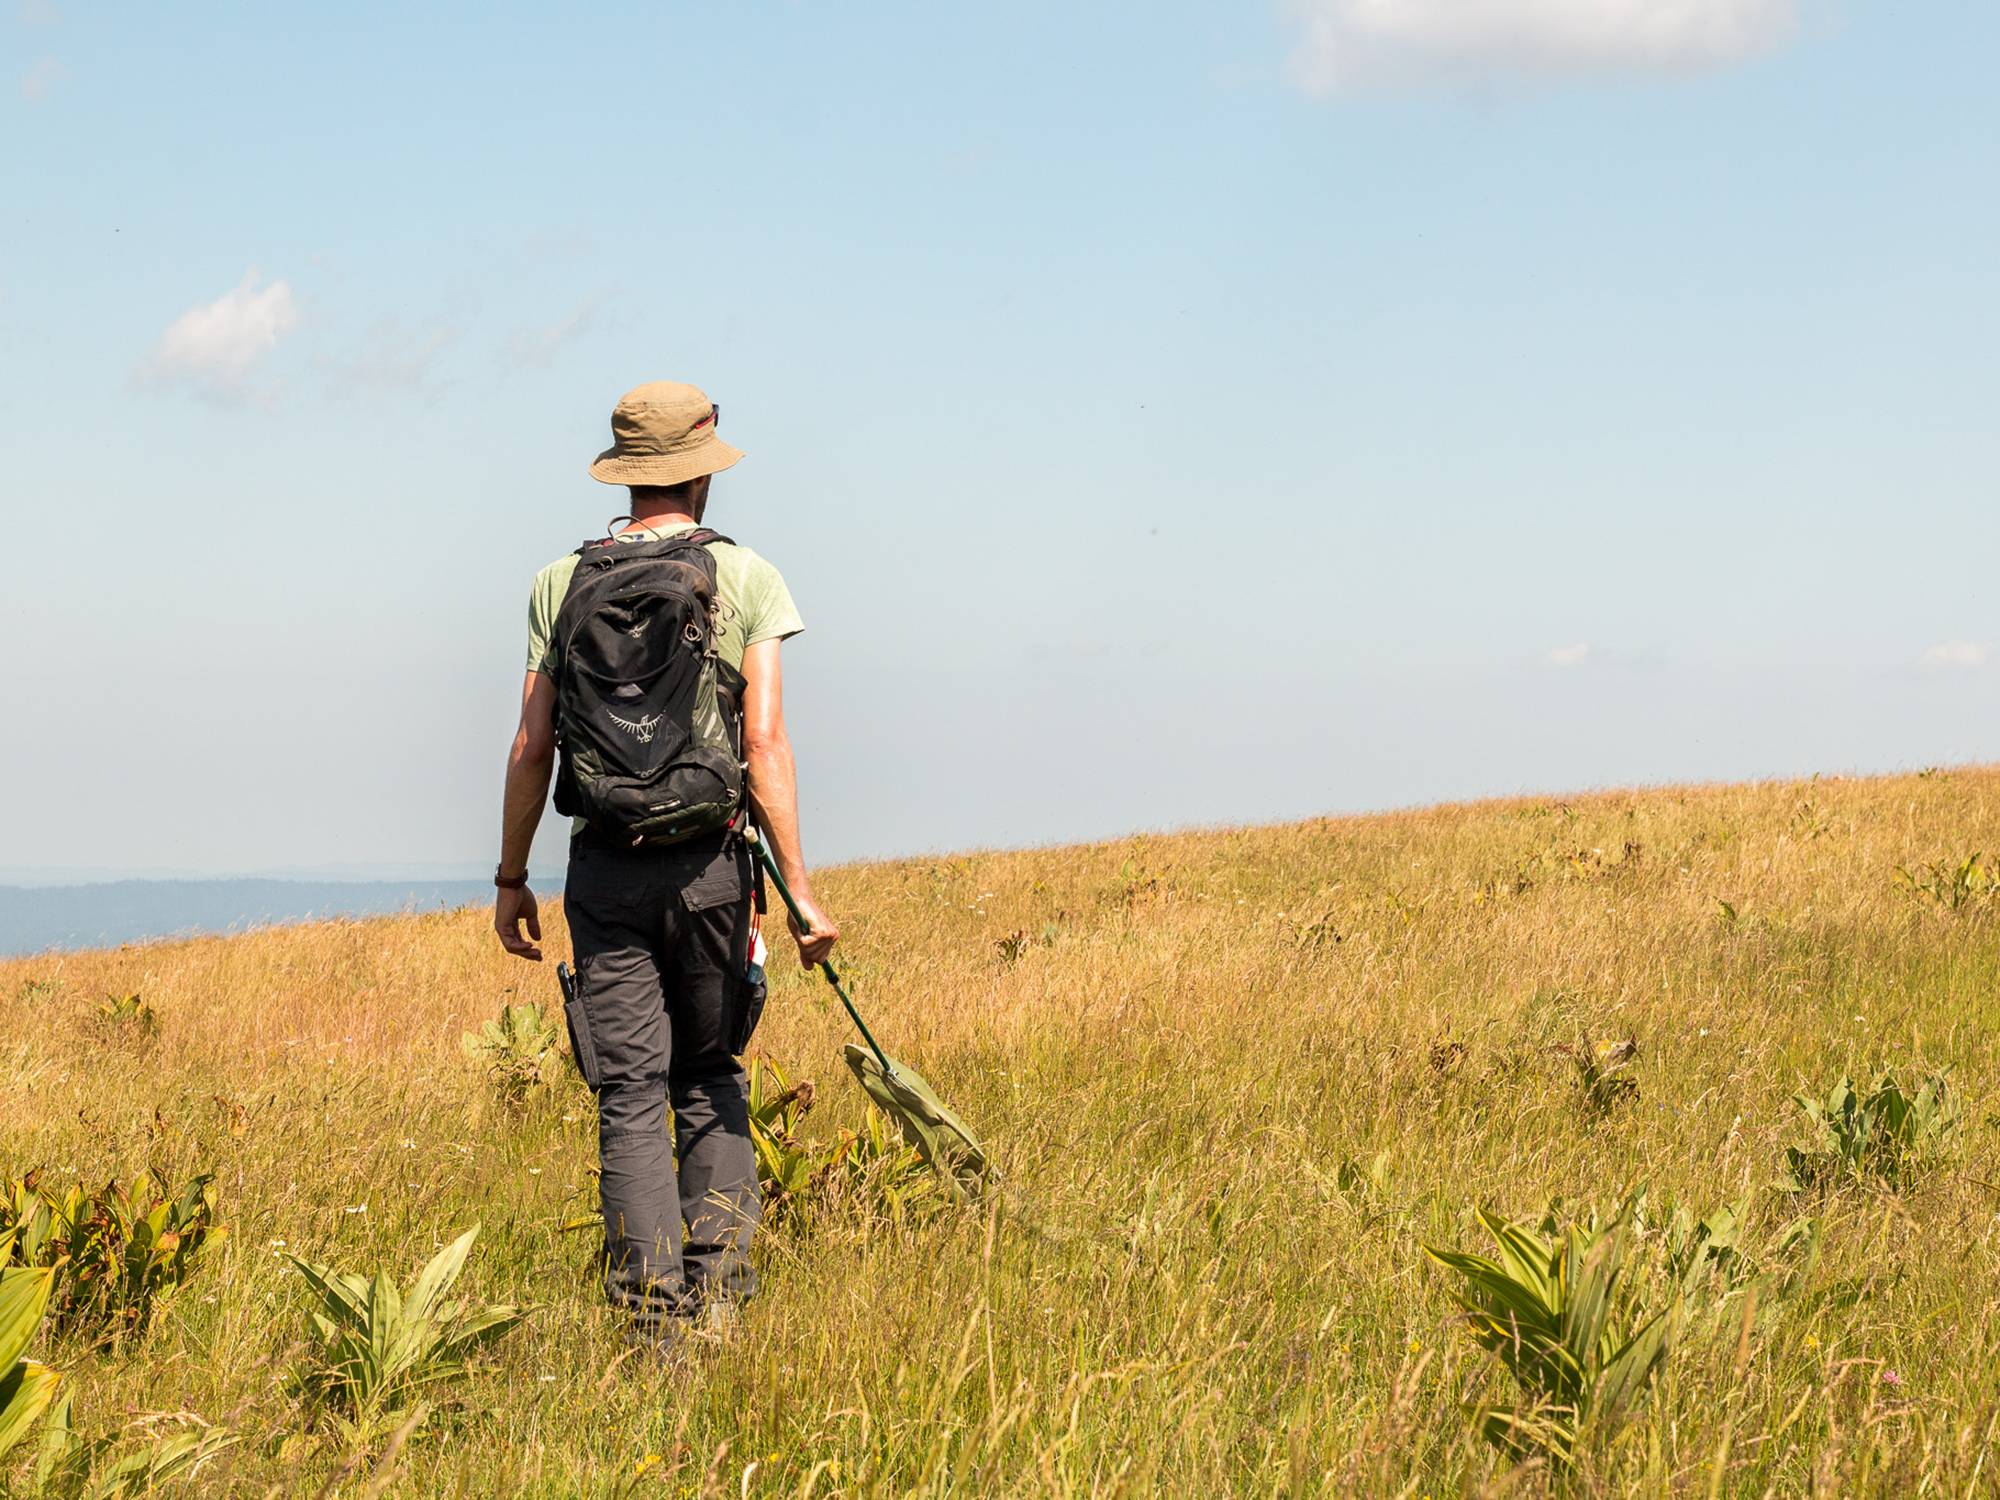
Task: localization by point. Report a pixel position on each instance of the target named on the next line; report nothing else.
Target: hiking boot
(716, 1323)
(720, 1317)
(663, 1342)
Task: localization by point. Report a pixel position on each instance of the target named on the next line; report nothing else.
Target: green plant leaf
(61, 1454)
(24, 1293)
(1627, 1371)
(343, 1296)
(1546, 1310)
(380, 1343)
(385, 1328)
(25, 1393)
(1544, 1427)
(440, 1276)
(479, 1329)
(178, 1456)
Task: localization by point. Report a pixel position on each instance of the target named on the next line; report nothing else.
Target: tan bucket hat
(663, 433)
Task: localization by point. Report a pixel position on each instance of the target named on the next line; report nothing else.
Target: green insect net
(947, 1146)
(940, 1136)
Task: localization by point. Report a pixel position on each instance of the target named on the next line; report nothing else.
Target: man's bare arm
(530, 763)
(774, 792)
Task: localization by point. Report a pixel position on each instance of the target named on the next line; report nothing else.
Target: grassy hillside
(1238, 1079)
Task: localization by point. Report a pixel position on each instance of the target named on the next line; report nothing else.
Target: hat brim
(709, 457)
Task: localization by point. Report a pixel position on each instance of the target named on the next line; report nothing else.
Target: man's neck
(663, 520)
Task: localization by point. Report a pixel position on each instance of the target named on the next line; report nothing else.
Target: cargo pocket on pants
(577, 1018)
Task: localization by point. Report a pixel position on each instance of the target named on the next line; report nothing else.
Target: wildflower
(1891, 1379)
(1812, 1341)
(534, 1171)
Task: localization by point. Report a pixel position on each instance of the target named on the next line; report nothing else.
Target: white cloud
(538, 347)
(1350, 45)
(1956, 656)
(389, 357)
(36, 13)
(559, 246)
(1585, 657)
(39, 80)
(215, 347)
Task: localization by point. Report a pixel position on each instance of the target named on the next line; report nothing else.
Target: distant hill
(35, 918)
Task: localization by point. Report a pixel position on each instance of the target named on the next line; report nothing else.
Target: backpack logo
(640, 729)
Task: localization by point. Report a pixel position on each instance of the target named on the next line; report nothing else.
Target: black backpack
(649, 719)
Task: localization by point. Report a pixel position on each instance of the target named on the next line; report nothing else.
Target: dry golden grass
(1198, 1031)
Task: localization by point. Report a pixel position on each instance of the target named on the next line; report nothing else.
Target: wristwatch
(510, 882)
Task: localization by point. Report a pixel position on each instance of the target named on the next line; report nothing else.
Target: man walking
(653, 667)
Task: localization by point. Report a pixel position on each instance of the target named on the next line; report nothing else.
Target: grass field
(1235, 1081)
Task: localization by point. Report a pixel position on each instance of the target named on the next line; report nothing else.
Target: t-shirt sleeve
(542, 606)
(768, 611)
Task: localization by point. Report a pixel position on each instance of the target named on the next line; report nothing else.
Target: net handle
(771, 868)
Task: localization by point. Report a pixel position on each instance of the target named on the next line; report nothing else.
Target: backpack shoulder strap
(601, 553)
(701, 536)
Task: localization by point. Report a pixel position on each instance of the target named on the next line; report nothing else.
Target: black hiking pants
(661, 939)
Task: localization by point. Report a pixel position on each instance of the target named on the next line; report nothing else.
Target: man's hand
(529, 765)
(774, 793)
(510, 910)
(818, 940)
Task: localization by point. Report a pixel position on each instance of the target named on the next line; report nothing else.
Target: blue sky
(1163, 414)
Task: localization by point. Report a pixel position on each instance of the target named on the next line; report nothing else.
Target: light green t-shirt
(756, 605)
